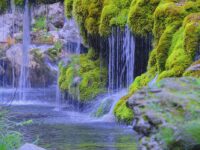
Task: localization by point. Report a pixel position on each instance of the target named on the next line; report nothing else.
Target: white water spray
(24, 75)
(121, 59)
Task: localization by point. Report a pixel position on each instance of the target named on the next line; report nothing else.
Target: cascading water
(58, 93)
(121, 59)
(72, 47)
(129, 54)
(24, 75)
(121, 68)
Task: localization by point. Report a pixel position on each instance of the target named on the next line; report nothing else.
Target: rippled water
(71, 130)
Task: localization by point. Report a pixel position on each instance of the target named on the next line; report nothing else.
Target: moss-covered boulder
(164, 112)
(93, 78)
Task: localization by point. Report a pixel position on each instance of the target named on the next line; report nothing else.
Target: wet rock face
(162, 105)
(54, 14)
(9, 24)
(40, 73)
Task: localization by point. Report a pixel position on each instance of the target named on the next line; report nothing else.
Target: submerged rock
(28, 146)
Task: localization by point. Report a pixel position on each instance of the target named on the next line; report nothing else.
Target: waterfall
(12, 2)
(58, 93)
(121, 59)
(24, 74)
(129, 53)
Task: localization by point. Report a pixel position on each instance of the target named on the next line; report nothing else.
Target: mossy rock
(87, 68)
(193, 70)
(103, 109)
(122, 112)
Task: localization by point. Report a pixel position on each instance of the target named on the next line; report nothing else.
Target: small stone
(155, 90)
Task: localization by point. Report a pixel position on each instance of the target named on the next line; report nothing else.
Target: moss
(183, 47)
(96, 17)
(87, 68)
(122, 112)
(3, 5)
(55, 51)
(114, 13)
(140, 17)
(19, 2)
(68, 8)
(40, 24)
(108, 12)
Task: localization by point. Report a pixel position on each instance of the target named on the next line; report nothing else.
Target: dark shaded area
(142, 50)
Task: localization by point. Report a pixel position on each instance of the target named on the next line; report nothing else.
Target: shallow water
(69, 130)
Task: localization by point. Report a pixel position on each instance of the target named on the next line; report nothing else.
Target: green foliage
(40, 24)
(9, 140)
(93, 79)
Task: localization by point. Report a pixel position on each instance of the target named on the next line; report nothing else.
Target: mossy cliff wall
(174, 24)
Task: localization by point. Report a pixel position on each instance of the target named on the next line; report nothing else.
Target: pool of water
(68, 130)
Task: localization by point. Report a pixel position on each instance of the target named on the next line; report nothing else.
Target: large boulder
(164, 106)
(40, 72)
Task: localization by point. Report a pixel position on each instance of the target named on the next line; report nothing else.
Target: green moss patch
(87, 67)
